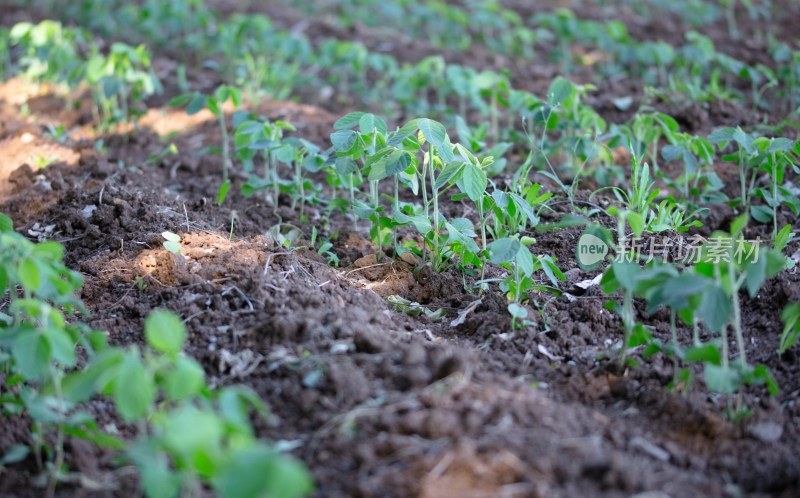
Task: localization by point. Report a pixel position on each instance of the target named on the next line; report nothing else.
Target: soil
(383, 403)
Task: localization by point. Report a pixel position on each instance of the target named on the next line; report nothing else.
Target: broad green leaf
(344, 140)
(474, 181)
(670, 152)
(781, 144)
(29, 274)
(188, 430)
(49, 250)
(707, 353)
(345, 166)
(723, 135)
(17, 453)
(559, 91)
(257, 471)
(348, 120)
(626, 272)
(397, 137)
(448, 174)
(164, 331)
(715, 308)
(197, 104)
(62, 346)
(434, 132)
(369, 122)
(185, 380)
(6, 225)
(721, 379)
(134, 390)
(31, 353)
(517, 311)
(504, 250)
(738, 224)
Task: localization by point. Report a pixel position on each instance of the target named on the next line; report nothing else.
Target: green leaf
(707, 353)
(715, 308)
(636, 222)
(344, 140)
(504, 250)
(49, 250)
(762, 214)
(31, 353)
(625, 272)
(721, 379)
(188, 430)
(29, 274)
(723, 135)
(559, 91)
(348, 120)
(223, 192)
(448, 173)
(257, 471)
(434, 132)
(345, 166)
(517, 311)
(369, 122)
(62, 346)
(670, 152)
(6, 225)
(755, 274)
(474, 181)
(158, 480)
(134, 391)
(185, 380)
(197, 104)
(738, 224)
(164, 331)
(781, 239)
(15, 454)
(781, 144)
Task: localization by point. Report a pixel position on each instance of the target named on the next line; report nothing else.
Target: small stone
(410, 258)
(648, 448)
(768, 432)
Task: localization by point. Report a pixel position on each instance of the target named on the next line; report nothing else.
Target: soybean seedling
(196, 102)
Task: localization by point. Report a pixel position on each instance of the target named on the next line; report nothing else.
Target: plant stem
(353, 201)
(737, 314)
(435, 198)
(226, 157)
(373, 187)
(425, 203)
(396, 209)
(774, 197)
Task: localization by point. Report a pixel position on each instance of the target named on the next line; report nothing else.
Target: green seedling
(172, 242)
(265, 137)
(514, 255)
(325, 247)
(778, 155)
(42, 162)
(195, 103)
(414, 309)
(59, 133)
(115, 79)
(791, 331)
(639, 198)
(621, 274)
(39, 348)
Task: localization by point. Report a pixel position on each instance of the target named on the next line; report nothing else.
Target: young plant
(265, 137)
(791, 331)
(195, 103)
(513, 254)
